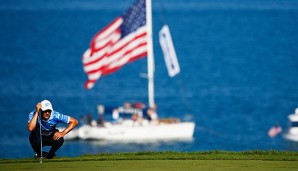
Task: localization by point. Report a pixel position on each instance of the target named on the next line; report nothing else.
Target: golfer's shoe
(35, 156)
(51, 155)
(44, 155)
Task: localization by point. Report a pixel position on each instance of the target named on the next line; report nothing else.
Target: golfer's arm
(72, 123)
(32, 124)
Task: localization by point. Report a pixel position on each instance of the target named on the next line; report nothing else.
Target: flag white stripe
(116, 56)
(122, 61)
(106, 60)
(94, 76)
(129, 37)
(110, 30)
(126, 48)
(100, 43)
(101, 53)
(127, 57)
(125, 40)
(110, 34)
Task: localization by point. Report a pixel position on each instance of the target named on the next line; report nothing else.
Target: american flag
(122, 41)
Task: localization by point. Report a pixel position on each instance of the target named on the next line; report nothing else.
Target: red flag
(122, 41)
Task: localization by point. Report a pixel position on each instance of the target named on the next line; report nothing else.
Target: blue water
(238, 59)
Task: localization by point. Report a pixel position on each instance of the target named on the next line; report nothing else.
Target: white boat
(122, 132)
(129, 129)
(124, 129)
(292, 133)
(126, 132)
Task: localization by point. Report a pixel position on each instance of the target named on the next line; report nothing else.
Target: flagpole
(150, 55)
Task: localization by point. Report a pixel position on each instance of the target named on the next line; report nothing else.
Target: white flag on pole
(169, 53)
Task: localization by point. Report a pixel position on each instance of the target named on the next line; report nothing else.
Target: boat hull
(149, 132)
(291, 137)
(292, 134)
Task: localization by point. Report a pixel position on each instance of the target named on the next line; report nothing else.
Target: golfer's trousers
(34, 139)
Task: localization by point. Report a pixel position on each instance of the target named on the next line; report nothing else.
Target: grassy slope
(214, 160)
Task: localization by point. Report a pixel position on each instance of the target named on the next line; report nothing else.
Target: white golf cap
(46, 105)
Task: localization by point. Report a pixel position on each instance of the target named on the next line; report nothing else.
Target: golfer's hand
(58, 135)
(38, 107)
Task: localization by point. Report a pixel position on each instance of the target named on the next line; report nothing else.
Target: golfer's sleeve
(30, 116)
(63, 118)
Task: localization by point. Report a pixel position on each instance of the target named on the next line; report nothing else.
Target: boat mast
(150, 55)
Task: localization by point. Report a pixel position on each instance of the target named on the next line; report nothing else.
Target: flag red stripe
(129, 55)
(111, 70)
(125, 45)
(107, 44)
(130, 60)
(101, 32)
(116, 50)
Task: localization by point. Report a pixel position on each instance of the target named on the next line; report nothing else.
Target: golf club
(39, 114)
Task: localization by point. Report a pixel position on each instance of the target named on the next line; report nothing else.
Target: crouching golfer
(50, 135)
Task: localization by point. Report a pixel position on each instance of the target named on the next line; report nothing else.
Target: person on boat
(100, 111)
(89, 119)
(126, 111)
(100, 120)
(51, 136)
(139, 105)
(152, 115)
(134, 117)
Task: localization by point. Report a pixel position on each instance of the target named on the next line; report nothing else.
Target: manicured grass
(155, 165)
(166, 161)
